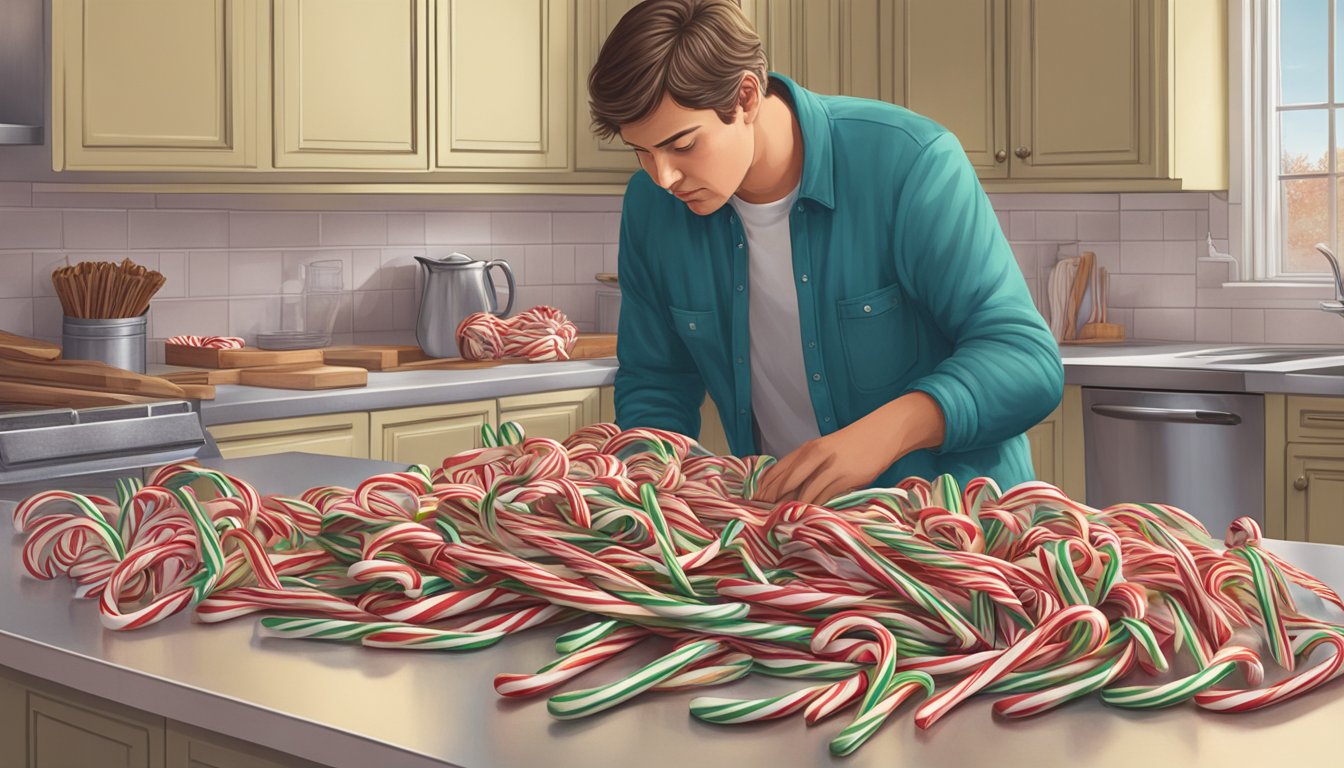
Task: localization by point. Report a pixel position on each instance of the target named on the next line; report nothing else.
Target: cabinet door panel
(1315, 503)
(518, 115)
(594, 22)
(952, 59)
(350, 84)
(1084, 88)
(1046, 439)
(832, 46)
(66, 733)
(336, 434)
(556, 415)
(159, 83)
(427, 435)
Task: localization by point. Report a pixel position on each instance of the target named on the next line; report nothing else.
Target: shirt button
(800, 207)
(811, 345)
(816, 377)
(740, 287)
(827, 419)
(739, 361)
(691, 326)
(867, 308)
(739, 245)
(803, 278)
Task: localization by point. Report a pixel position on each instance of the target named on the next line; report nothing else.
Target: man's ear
(749, 96)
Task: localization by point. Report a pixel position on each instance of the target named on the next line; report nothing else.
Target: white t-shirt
(779, 392)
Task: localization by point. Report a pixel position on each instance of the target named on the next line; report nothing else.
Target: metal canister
(118, 341)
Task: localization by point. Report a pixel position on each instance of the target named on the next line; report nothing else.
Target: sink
(1329, 370)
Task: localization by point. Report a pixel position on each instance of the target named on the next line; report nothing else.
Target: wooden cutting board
(13, 346)
(200, 357)
(372, 357)
(203, 376)
(88, 374)
(589, 346)
(64, 397)
(305, 377)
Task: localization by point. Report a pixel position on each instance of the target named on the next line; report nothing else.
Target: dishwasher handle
(1170, 415)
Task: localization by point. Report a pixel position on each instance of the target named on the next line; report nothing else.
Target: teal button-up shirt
(905, 283)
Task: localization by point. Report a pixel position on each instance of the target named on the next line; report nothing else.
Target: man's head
(681, 82)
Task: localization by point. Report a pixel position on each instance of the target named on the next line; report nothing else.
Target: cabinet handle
(1023, 152)
(1001, 155)
(1300, 483)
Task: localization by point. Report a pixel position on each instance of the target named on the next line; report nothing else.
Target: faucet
(1335, 307)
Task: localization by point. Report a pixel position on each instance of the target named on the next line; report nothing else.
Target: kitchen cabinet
(555, 415)
(332, 434)
(1049, 94)
(1313, 469)
(352, 103)
(594, 20)
(502, 73)
(1057, 446)
(191, 747)
(159, 84)
(712, 437)
(425, 435)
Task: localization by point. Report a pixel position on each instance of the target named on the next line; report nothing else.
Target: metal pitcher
(455, 286)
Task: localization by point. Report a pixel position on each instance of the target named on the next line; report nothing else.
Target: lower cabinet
(1312, 481)
(330, 434)
(1057, 445)
(428, 434)
(556, 415)
(44, 725)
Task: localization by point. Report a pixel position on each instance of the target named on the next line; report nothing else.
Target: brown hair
(694, 50)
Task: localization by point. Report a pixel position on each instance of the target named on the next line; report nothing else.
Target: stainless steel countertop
(403, 390)
(1163, 365)
(350, 706)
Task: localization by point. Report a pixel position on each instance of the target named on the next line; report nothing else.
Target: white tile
(1179, 225)
(584, 228)
(207, 275)
(472, 228)
(1142, 257)
(1005, 221)
(1098, 225)
(405, 229)
(1180, 256)
(154, 351)
(1021, 225)
(353, 229)
(1122, 316)
(405, 310)
(1047, 201)
(1140, 225)
(1234, 233)
(263, 229)
(563, 261)
(255, 273)
(250, 316)
(16, 316)
(520, 228)
(539, 267)
(173, 267)
(16, 194)
(367, 268)
(1164, 201)
(1202, 229)
(400, 269)
(295, 260)
(1213, 325)
(1301, 326)
(1056, 225)
(44, 263)
(1248, 326)
(93, 200)
(532, 296)
(1026, 255)
(516, 257)
(1218, 216)
(16, 274)
(610, 253)
(1178, 291)
(373, 311)
(104, 230)
(47, 317)
(1210, 274)
(146, 259)
(172, 317)
(577, 302)
(30, 228)
(1129, 290)
(1108, 254)
(178, 229)
(587, 263)
(1164, 324)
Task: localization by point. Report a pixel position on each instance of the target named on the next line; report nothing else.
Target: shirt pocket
(699, 331)
(878, 335)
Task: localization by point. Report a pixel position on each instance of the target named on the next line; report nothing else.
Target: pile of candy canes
(208, 342)
(540, 334)
(926, 589)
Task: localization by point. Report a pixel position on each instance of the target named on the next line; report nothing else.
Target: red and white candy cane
(539, 334)
(208, 342)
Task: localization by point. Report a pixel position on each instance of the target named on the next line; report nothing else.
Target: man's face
(692, 153)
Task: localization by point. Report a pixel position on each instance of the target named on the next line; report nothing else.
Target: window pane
(1305, 204)
(1304, 27)
(1339, 48)
(1303, 137)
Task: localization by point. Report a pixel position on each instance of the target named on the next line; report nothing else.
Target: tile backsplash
(234, 261)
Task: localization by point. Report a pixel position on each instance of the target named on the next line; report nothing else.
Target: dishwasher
(1203, 452)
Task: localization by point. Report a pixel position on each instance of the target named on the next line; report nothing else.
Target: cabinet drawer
(333, 434)
(1315, 418)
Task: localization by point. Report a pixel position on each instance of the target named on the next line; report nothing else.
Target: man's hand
(850, 458)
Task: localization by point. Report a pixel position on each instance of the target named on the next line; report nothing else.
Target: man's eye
(686, 148)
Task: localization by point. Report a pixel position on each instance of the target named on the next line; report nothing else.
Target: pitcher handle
(508, 275)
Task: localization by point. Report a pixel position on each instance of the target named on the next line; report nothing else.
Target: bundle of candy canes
(540, 334)
(208, 342)
(927, 588)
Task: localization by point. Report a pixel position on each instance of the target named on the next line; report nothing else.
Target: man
(828, 268)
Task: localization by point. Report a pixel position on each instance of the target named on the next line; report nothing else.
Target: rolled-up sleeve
(1005, 373)
(657, 383)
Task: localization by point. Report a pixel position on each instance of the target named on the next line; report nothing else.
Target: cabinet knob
(1300, 483)
(1001, 155)
(1023, 152)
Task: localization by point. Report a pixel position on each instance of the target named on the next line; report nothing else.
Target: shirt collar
(818, 182)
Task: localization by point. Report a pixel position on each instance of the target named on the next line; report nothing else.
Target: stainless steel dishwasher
(1203, 452)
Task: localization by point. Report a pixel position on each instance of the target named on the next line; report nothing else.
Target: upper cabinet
(158, 84)
(351, 101)
(1115, 95)
(502, 73)
(593, 23)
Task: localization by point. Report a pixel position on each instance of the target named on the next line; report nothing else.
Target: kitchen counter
(344, 705)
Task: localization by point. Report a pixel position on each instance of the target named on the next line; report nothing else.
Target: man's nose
(666, 174)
